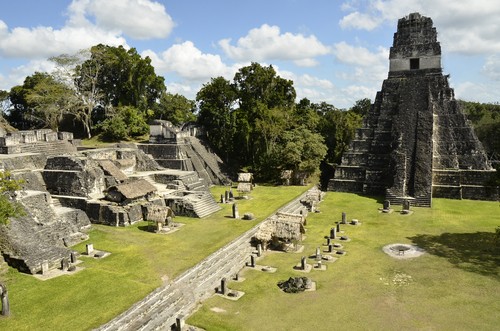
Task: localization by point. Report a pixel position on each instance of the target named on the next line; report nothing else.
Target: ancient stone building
(415, 142)
(180, 148)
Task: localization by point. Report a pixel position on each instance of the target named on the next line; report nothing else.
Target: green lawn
(454, 286)
(138, 262)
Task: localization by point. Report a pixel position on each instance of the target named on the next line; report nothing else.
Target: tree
(80, 76)
(126, 122)
(175, 108)
(302, 150)
(123, 77)
(216, 103)
(261, 95)
(40, 102)
(338, 128)
(50, 100)
(361, 107)
(306, 115)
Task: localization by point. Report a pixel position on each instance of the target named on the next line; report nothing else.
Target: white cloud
(479, 92)
(17, 75)
(358, 20)
(492, 67)
(268, 43)
(366, 66)
(190, 63)
(140, 19)
(466, 26)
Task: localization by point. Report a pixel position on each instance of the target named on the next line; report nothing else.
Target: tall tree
(175, 108)
(40, 102)
(216, 103)
(123, 76)
(262, 94)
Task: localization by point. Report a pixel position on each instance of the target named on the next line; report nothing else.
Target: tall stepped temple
(415, 142)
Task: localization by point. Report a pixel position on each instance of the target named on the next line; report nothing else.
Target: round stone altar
(403, 251)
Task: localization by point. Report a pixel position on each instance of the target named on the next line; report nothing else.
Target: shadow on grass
(474, 252)
(147, 228)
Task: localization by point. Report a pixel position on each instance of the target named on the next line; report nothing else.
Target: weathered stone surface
(415, 133)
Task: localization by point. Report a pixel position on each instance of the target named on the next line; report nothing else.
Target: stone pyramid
(415, 142)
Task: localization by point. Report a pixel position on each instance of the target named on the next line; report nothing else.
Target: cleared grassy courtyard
(454, 286)
(139, 261)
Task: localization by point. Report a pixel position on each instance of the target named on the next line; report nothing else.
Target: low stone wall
(159, 310)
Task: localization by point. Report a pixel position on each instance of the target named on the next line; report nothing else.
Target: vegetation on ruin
(8, 206)
(454, 286)
(137, 265)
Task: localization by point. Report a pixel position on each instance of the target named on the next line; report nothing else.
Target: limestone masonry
(415, 142)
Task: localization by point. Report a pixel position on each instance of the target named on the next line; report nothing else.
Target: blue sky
(334, 51)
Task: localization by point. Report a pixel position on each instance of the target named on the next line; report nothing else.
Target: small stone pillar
(328, 241)
(330, 248)
(318, 252)
(231, 195)
(45, 267)
(259, 250)
(338, 227)
(226, 196)
(319, 264)
(303, 263)
(406, 204)
(64, 264)
(222, 200)
(89, 249)
(333, 233)
(386, 205)
(252, 261)
(223, 286)
(159, 226)
(236, 214)
(344, 218)
(73, 257)
(237, 276)
(179, 323)
(4, 296)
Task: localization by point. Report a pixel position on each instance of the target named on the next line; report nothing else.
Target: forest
(254, 122)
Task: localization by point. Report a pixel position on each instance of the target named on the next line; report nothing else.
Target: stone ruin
(37, 141)
(66, 190)
(181, 148)
(296, 284)
(286, 228)
(245, 183)
(416, 142)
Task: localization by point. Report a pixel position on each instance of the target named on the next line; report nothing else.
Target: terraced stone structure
(415, 142)
(180, 148)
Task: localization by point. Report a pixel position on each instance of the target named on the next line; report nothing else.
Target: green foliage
(124, 77)
(127, 123)
(338, 127)
(8, 206)
(216, 101)
(486, 121)
(175, 108)
(40, 102)
(302, 150)
(362, 107)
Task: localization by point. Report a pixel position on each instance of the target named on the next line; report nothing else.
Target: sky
(335, 51)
